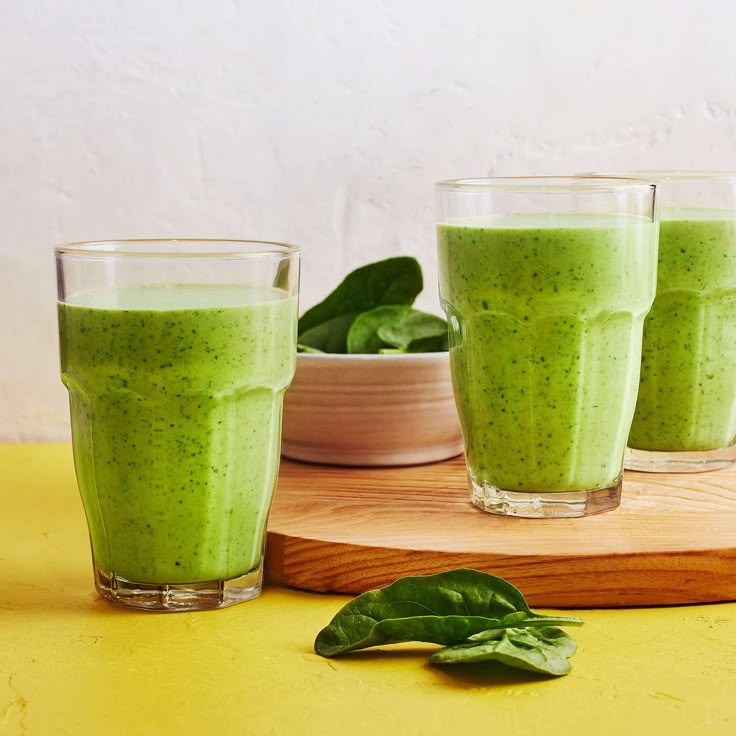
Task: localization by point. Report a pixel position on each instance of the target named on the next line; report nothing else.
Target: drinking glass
(685, 419)
(546, 283)
(176, 355)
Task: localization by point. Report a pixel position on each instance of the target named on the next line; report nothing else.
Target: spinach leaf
(363, 333)
(397, 328)
(411, 330)
(446, 608)
(437, 344)
(423, 345)
(307, 349)
(543, 650)
(330, 336)
(393, 281)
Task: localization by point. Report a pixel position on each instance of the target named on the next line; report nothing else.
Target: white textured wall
(321, 122)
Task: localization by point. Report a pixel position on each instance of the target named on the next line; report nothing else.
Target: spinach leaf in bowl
(327, 337)
(392, 281)
(397, 329)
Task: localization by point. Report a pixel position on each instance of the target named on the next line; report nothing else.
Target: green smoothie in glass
(176, 413)
(175, 393)
(545, 347)
(687, 395)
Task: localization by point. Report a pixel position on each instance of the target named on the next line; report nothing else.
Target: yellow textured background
(71, 664)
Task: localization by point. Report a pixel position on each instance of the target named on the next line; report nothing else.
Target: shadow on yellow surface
(480, 674)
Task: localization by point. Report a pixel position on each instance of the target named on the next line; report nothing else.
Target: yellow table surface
(72, 664)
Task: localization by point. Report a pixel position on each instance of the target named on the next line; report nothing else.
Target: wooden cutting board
(673, 540)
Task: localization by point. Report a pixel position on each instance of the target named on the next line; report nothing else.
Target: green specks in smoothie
(177, 451)
(690, 334)
(546, 375)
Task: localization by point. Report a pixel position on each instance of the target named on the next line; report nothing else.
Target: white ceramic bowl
(371, 410)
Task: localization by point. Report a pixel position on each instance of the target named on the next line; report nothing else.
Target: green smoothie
(546, 324)
(687, 395)
(176, 399)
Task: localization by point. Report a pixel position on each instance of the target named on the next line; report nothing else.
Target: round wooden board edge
(563, 581)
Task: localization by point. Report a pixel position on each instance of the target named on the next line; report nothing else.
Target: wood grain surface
(673, 540)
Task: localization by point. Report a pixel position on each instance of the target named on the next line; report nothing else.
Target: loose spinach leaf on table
(393, 281)
(544, 650)
(446, 608)
(398, 329)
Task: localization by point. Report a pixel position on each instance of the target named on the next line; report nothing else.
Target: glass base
(545, 504)
(179, 596)
(698, 461)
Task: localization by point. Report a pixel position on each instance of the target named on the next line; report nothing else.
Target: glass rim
(546, 184)
(189, 248)
(670, 175)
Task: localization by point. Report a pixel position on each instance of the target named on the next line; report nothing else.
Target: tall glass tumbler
(685, 419)
(546, 283)
(176, 355)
